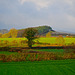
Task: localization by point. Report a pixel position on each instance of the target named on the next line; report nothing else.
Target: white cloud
(45, 3)
(39, 3)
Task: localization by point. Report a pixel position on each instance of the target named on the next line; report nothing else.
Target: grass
(45, 50)
(10, 39)
(50, 50)
(53, 67)
(7, 53)
(51, 40)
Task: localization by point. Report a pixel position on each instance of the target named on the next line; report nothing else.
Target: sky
(59, 14)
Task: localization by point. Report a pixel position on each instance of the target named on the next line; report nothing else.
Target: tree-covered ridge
(41, 30)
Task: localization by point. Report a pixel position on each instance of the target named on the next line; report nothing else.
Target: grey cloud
(59, 14)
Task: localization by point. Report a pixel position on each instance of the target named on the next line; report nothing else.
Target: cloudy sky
(59, 14)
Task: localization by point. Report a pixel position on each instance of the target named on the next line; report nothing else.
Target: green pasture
(53, 67)
(49, 50)
(7, 52)
(10, 42)
(45, 50)
(11, 39)
(51, 40)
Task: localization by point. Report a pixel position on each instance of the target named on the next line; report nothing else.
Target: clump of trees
(12, 33)
(30, 33)
(60, 40)
(0, 35)
(43, 29)
(48, 34)
(6, 35)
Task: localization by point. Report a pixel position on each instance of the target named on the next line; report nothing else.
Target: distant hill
(3, 31)
(62, 33)
(41, 30)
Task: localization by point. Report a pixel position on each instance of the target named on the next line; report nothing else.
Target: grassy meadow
(53, 67)
(7, 52)
(51, 41)
(50, 50)
(45, 62)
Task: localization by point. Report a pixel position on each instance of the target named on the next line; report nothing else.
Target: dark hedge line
(36, 56)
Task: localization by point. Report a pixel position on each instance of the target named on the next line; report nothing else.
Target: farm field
(48, 67)
(11, 39)
(53, 67)
(7, 52)
(37, 37)
(51, 41)
(49, 50)
(43, 50)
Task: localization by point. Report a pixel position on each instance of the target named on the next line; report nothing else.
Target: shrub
(5, 43)
(60, 40)
(69, 48)
(2, 57)
(14, 43)
(32, 57)
(35, 56)
(13, 32)
(69, 56)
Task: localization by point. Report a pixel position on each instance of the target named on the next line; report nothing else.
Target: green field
(10, 39)
(53, 67)
(49, 50)
(45, 50)
(7, 53)
(51, 40)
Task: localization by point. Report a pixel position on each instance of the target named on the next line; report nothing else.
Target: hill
(3, 31)
(41, 30)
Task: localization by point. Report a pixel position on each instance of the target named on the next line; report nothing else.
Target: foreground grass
(53, 67)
